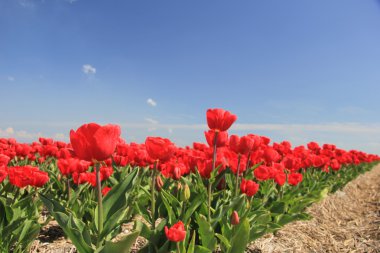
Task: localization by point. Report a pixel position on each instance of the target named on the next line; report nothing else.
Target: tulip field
(218, 196)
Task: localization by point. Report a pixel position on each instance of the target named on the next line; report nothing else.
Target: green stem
(68, 189)
(100, 203)
(153, 199)
(209, 192)
(237, 176)
(178, 247)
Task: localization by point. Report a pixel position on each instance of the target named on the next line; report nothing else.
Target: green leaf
(164, 248)
(29, 232)
(235, 204)
(52, 205)
(257, 232)
(278, 207)
(206, 233)
(68, 225)
(224, 240)
(201, 249)
(3, 215)
(195, 203)
(190, 249)
(72, 231)
(112, 222)
(143, 228)
(116, 198)
(169, 209)
(122, 246)
(241, 237)
(171, 200)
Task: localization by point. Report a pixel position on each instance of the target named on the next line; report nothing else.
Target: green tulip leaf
(240, 238)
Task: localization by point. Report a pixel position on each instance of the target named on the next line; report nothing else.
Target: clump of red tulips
(225, 193)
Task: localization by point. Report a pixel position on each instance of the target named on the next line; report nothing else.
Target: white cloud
(11, 79)
(26, 3)
(151, 121)
(9, 130)
(151, 102)
(21, 134)
(88, 69)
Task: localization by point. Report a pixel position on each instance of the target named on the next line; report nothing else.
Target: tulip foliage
(223, 194)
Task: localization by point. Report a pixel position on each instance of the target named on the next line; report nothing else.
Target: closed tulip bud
(159, 183)
(177, 173)
(185, 194)
(235, 218)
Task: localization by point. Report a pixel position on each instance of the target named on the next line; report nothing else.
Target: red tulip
(159, 183)
(221, 139)
(159, 148)
(176, 233)
(3, 173)
(242, 145)
(219, 119)
(280, 178)
(294, 178)
(262, 173)
(249, 187)
(22, 176)
(4, 159)
(94, 142)
(235, 218)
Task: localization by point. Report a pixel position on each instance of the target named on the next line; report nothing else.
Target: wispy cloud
(26, 3)
(151, 121)
(20, 134)
(11, 78)
(88, 69)
(330, 127)
(151, 102)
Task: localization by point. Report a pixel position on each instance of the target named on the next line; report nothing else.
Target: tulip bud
(177, 173)
(185, 194)
(59, 177)
(159, 183)
(179, 186)
(235, 218)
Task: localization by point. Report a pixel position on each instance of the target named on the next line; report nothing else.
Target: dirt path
(347, 221)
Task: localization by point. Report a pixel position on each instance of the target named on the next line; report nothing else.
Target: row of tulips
(223, 194)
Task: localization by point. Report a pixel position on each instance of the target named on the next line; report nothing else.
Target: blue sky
(296, 70)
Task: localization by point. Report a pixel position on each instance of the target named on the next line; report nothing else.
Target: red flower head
(176, 233)
(294, 178)
(3, 173)
(241, 145)
(249, 187)
(4, 159)
(22, 176)
(219, 119)
(221, 139)
(159, 148)
(280, 178)
(262, 173)
(94, 142)
(235, 218)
